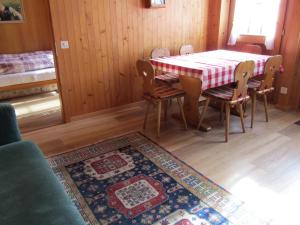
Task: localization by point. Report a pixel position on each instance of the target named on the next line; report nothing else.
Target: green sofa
(30, 193)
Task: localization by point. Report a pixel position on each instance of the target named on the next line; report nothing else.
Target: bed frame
(28, 85)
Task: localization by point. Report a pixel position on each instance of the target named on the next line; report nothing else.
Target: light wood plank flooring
(261, 167)
(37, 111)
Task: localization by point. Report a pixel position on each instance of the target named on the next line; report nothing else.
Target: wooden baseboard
(93, 114)
(285, 108)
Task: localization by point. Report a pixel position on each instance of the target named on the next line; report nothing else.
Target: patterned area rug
(131, 180)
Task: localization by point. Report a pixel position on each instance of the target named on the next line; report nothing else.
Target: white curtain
(255, 17)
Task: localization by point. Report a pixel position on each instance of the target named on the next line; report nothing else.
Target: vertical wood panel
(108, 36)
(218, 17)
(33, 34)
(290, 49)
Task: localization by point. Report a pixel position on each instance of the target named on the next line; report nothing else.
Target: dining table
(214, 68)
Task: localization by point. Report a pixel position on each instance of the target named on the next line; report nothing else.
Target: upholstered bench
(30, 193)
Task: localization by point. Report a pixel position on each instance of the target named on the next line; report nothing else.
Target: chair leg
(203, 113)
(182, 112)
(241, 111)
(253, 99)
(266, 107)
(227, 123)
(158, 118)
(146, 115)
(245, 106)
(222, 112)
(166, 105)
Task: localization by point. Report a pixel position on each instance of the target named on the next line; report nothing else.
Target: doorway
(28, 72)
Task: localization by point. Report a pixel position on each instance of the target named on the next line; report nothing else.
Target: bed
(26, 73)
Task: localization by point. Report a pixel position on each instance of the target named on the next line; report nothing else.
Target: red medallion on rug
(184, 222)
(136, 195)
(108, 165)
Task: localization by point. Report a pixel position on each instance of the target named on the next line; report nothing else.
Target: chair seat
(254, 85)
(164, 92)
(224, 93)
(169, 78)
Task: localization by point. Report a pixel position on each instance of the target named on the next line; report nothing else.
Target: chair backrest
(250, 48)
(186, 50)
(160, 52)
(242, 73)
(147, 72)
(272, 67)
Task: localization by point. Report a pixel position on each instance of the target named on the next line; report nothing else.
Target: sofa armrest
(9, 130)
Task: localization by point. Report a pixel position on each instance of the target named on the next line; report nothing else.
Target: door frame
(55, 55)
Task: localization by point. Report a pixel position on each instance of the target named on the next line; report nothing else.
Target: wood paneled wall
(107, 37)
(218, 18)
(296, 87)
(290, 49)
(35, 33)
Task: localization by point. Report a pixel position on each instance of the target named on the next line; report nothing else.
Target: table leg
(192, 113)
(193, 89)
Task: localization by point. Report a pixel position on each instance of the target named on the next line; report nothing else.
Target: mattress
(27, 77)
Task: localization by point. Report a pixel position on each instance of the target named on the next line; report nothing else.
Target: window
(255, 17)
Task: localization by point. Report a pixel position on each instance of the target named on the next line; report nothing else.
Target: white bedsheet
(27, 77)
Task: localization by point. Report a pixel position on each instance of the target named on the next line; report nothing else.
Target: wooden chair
(250, 48)
(186, 50)
(264, 86)
(234, 95)
(162, 77)
(160, 52)
(157, 94)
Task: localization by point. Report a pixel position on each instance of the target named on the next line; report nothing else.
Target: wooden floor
(37, 111)
(262, 167)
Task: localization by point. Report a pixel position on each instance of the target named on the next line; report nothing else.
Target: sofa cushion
(30, 193)
(9, 130)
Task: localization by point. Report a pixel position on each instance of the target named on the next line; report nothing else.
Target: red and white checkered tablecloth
(214, 68)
